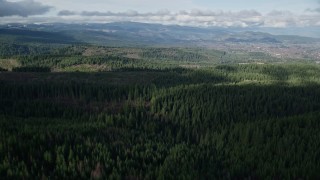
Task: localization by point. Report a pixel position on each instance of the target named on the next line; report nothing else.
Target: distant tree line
(31, 69)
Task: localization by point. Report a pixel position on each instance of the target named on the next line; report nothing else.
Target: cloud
(317, 10)
(67, 13)
(129, 13)
(22, 8)
(277, 13)
(195, 17)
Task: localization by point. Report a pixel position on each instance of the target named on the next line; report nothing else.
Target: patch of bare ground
(9, 63)
(133, 56)
(96, 51)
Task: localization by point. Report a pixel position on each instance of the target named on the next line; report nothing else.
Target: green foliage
(149, 118)
(2, 69)
(175, 124)
(173, 54)
(31, 69)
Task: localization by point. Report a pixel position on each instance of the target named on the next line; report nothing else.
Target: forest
(95, 112)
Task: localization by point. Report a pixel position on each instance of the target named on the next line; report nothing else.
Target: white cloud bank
(196, 17)
(30, 11)
(22, 8)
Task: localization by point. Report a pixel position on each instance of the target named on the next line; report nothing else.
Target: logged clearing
(9, 63)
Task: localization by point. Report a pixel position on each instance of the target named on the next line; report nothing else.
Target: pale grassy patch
(9, 63)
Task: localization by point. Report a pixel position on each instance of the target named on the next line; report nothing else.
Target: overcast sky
(224, 13)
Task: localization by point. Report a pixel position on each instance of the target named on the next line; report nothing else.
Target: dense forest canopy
(78, 111)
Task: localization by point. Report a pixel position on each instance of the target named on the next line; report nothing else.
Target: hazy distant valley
(129, 34)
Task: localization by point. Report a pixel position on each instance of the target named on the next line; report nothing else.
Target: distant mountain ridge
(131, 34)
